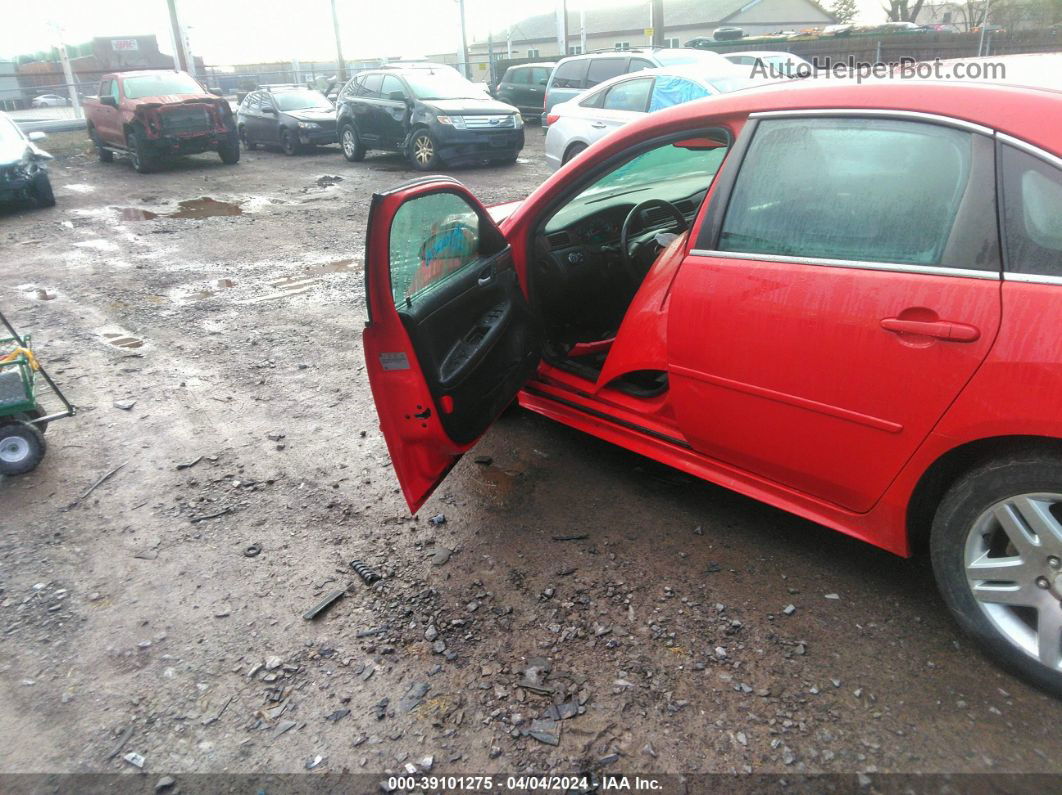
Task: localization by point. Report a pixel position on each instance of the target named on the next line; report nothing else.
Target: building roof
(629, 16)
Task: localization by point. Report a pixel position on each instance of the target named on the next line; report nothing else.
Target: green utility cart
(29, 400)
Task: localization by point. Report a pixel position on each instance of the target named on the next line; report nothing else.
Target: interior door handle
(485, 278)
(941, 329)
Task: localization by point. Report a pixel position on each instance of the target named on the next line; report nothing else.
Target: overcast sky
(249, 31)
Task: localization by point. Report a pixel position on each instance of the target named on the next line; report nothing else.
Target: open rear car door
(450, 338)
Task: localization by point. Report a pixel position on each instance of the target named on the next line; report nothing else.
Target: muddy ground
(214, 353)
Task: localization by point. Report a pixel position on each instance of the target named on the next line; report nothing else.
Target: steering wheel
(636, 213)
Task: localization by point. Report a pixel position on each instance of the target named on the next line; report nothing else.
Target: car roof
(763, 54)
(696, 72)
(549, 64)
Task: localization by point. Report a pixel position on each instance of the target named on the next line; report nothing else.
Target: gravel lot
(133, 620)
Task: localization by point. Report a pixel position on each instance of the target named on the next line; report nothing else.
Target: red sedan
(841, 300)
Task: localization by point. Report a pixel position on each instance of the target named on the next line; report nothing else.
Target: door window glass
(632, 95)
(539, 76)
(432, 237)
(670, 91)
(114, 90)
(371, 86)
(392, 87)
(857, 189)
(519, 76)
(105, 88)
(1032, 214)
(602, 69)
(570, 74)
(637, 64)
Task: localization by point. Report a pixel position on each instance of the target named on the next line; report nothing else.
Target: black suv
(293, 118)
(430, 116)
(525, 86)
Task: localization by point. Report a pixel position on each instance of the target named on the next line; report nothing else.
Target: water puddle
(121, 339)
(339, 266)
(187, 210)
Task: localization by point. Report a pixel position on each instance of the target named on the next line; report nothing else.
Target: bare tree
(903, 10)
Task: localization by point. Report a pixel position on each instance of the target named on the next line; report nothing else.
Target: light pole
(341, 65)
(464, 41)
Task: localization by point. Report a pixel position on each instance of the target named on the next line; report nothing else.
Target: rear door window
(371, 87)
(539, 76)
(637, 64)
(391, 88)
(870, 190)
(630, 95)
(570, 74)
(670, 91)
(519, 76)
(602, 69)
(1032, 214)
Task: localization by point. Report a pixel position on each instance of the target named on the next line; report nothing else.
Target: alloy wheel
(1013, 563)
(13, 449)
(423, 150)
(349, 144)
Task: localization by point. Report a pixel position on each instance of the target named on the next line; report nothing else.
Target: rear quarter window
(570, 74)
(1032, 214)
(602, 69)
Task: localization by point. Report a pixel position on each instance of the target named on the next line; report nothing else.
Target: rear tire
(573, 150)
(22, 447)
(144, 161)
(350, 143)
(105, 155)
(42, 191)
(996, 546)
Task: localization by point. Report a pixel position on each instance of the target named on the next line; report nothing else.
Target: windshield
(302, 100)
(8, 131)
(440, 85)
(668, 172)
(160, 85)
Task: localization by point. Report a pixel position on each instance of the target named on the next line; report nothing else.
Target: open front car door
(450, 338)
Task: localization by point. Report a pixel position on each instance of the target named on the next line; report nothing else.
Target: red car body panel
(845, 446)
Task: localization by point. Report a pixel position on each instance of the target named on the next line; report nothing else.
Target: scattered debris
(121, 742)
(573, 537)
(339, 714)
(438, 519)
(252, 551)
(367, 575)
(189, 464)
(135, 759)
(314, 762)
(327, 180)
(323, 605)
(483, 460)
(124, 405)
(217, 715)
(789, 609)
(414, 696)
(164, 783)
(545, 731)
(441, 556)
(197, 519)
(96, 485)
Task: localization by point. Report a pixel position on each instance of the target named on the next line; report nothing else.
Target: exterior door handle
(598, 125)
(941, 329)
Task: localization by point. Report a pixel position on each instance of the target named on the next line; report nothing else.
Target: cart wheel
(22, 447)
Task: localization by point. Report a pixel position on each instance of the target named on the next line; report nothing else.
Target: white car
(576, 124)
(772, 64)
(50, 101)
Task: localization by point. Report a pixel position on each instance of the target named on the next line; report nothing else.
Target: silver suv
(577, 73)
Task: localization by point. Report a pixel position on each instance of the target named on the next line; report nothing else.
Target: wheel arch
(953, 464)
(567, 155)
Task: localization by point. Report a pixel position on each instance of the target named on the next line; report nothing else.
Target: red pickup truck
(150, 114)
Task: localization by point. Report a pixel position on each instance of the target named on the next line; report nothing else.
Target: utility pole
(582, 29)
(463, 54)
(341, 65)
(562, 27)
(68, 75)
(656, 22)
(180, 55)
(490, 59)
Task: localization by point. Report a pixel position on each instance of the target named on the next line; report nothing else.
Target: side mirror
(397, 96)
(269, 109)
(109, 100)
(544, 81)
(37, 135)
(217, 92)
